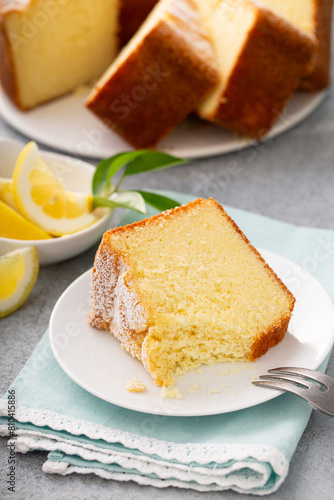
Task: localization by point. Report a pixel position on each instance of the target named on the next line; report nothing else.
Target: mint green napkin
(248, 451)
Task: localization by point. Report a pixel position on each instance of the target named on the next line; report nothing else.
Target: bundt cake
(236, 61)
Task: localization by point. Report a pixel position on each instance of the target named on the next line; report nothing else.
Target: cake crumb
(195, 388)
(213, 391)
(135, 386)
(199, 371)
(235, 368)
(172, 393)
(199, 387)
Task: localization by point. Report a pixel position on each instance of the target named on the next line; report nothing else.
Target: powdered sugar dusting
(102, 288)
(128, 312)
(115, 305)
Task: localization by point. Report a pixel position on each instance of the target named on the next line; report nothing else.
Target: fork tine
(294, 389)
(305, 373)
(311, 393)
(280, 385)
(304, 384)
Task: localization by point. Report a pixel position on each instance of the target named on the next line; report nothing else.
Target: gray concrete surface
(290, 178)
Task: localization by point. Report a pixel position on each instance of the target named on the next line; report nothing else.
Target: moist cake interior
(71, 45)
(300, 13)
(229, 28)
(209, 294)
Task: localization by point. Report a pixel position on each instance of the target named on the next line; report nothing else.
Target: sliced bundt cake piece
(186, 288)
(159, 77)
(261, 59)
(313, 17)
(49, 48)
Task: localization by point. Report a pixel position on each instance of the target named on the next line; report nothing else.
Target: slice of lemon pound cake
(262, 59)
(50, 47)
(186, 288)
(159, 77)
(313, 17)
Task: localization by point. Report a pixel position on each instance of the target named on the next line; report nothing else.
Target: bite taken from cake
(186, 288)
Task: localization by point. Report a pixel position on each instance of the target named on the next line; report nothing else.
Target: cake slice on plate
(47, 49)
(186, 288)
(313, 17)
(261, 59)
(159, 77)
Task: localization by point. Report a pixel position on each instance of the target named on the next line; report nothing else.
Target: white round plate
(95, 360)
(66, 125)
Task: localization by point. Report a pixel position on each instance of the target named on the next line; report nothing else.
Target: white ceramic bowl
(77, 176)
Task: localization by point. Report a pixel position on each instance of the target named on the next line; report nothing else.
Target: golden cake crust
(251, 106)
(109, 268)
(7, 68)
(163, 79)
(7, 73)
(319, 76)
(133, 13)
(269, 339)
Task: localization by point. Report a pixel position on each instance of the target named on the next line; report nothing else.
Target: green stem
(119, 183)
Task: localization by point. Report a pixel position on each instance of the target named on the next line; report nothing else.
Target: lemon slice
(18, 271)
(42, 198)
(7, 192)
(13, 225)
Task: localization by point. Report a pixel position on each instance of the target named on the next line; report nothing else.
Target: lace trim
(64, 469)
(184, 453)
(202, 454)
(165, 470)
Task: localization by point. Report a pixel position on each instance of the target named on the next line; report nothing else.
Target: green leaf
(107, 168)
(132, 200)
(152, 160)
(158, 201)
(100, 177)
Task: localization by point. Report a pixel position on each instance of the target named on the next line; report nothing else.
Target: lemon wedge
(43, 199)
(7, 192)
(18, 271)
(14, 226)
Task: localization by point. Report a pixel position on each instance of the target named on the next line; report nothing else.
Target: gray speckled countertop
(290, 178)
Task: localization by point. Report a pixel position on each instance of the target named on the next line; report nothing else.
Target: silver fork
(315, 387)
